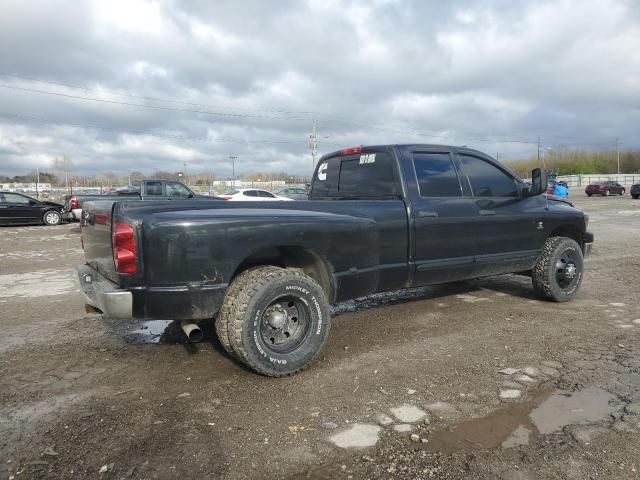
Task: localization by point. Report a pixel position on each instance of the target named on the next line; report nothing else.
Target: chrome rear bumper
(102, 294)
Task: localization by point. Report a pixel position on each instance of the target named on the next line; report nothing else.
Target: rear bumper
(102, 294)
(588, 243)
(192, 302)
(72, 215)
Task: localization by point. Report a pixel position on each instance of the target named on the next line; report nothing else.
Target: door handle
(427, 214)
(487, 213)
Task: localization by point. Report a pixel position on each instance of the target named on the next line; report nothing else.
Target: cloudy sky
(137, 84)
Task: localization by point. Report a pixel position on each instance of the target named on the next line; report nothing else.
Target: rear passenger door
(443, 217)
(510, 229)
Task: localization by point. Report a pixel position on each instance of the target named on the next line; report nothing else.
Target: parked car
(294, 193)
(252, 195)
(635, 191)
(604, 188)
(143, 190)
(379, 218)
(16, 208)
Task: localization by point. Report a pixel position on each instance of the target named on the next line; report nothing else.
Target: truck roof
(405, 146)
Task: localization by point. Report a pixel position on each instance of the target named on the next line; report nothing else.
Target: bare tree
(62, 167)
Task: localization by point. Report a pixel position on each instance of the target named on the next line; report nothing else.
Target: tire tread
(250, 286)
(540, 273)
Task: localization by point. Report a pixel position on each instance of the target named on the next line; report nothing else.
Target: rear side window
(154, 188)
(367, 175)
(250, 193)
(436, 175)
(176, 189)
(263, 193)
(486, 179)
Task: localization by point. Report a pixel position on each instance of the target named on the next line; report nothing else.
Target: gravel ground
(409, 389)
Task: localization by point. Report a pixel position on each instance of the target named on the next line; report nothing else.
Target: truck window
(367, 175)
(153, 188)
(436, 175)
(176, 189)
(486, 179)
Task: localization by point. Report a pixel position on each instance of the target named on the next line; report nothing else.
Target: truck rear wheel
(277, 320)
(558, 272)
(231, 297)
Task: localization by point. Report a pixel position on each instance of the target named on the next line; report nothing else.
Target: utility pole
(539, 146)
(233, 168)
(37, 183)
(313, 143)
(618, 153)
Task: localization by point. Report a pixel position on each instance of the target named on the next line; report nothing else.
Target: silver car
(295, 193)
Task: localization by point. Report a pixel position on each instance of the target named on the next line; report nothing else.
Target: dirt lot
(82, 396)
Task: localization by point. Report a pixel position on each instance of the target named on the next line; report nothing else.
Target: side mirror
(538, 182)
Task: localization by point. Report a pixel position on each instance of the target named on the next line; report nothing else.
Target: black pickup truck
(143, 190)
(378, 218)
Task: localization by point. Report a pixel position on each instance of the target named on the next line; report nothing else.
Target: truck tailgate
(96, 237)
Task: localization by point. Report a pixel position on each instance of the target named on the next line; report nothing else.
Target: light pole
(233, 168)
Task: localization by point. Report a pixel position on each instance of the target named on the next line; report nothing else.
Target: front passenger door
(510, 229)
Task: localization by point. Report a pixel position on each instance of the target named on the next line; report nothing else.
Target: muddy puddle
(547, 411)
(152, 331)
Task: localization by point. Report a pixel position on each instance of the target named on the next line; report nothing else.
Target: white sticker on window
(322, 172)
(367, 158)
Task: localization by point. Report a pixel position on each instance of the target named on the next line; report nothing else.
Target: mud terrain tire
(228, 305)
(277, 320)
(558, 272)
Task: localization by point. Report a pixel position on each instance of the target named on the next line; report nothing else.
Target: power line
(400, 130)
(155, 99)
(148, 133)
(139, 105)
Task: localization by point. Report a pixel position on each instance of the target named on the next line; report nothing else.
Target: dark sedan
(16, 208)
(604, 188)
(635, 191)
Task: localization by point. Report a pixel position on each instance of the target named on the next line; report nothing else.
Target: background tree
(62, 166)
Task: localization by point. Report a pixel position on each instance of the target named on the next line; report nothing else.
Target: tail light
(351, 150)
(226, 197)
(73, 203)
(124, 247)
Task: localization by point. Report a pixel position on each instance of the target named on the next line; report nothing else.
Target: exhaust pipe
(192, 331)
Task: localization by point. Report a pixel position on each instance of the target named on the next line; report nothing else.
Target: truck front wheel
(558, 272)
(277, 320)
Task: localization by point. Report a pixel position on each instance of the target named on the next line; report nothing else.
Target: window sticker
(322, 172)
(367, 158)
